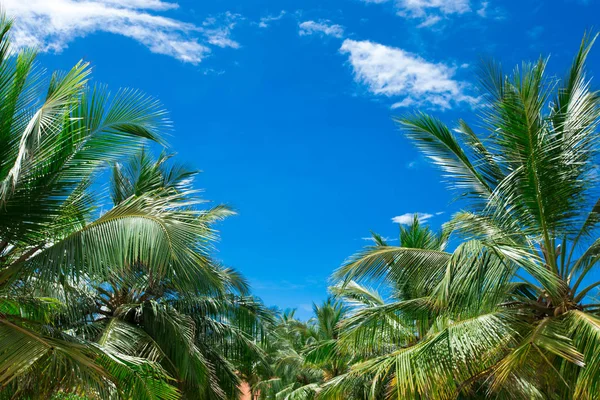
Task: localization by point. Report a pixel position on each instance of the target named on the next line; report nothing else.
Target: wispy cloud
(266, 21)
(430, 12)
(218, 31)
(535, 32)
(422, 8)
(52, 25)
(322, 27)
(148, 4)
(385, 239)
(393, 72)
(483, 9)
(430, 21)
(406, 219)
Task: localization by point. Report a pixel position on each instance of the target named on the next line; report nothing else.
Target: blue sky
(286, 106)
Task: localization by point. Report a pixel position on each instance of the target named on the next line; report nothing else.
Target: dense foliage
(114, 293)
(106, 300)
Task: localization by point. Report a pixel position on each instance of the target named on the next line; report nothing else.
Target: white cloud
(322, 27)
(218, 33)
(430, 21)
(385, 239)
(407, 102)
(482, 11)
(535, 32)
(421, 8)
(485, 11)
(147, 4)
(52, 25)
(393, 72)
(265, 21)
(406, 219)
(432, 11)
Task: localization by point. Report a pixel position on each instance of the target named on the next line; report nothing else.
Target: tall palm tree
(58, 252)
(509, 313)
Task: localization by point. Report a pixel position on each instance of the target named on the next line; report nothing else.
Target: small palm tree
(304, 355)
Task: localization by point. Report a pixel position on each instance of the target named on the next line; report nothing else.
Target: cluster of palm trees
(110, 291)
(510, 312)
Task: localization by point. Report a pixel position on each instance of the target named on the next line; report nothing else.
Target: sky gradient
(287, 106)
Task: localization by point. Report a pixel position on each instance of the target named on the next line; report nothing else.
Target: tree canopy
(109, 287)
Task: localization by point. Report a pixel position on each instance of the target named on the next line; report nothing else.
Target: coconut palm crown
(510, 313)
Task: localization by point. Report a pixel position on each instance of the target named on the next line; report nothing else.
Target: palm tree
(51, 148)
(509, 313)
(65, 265)
(374, 327)
(200, 335)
